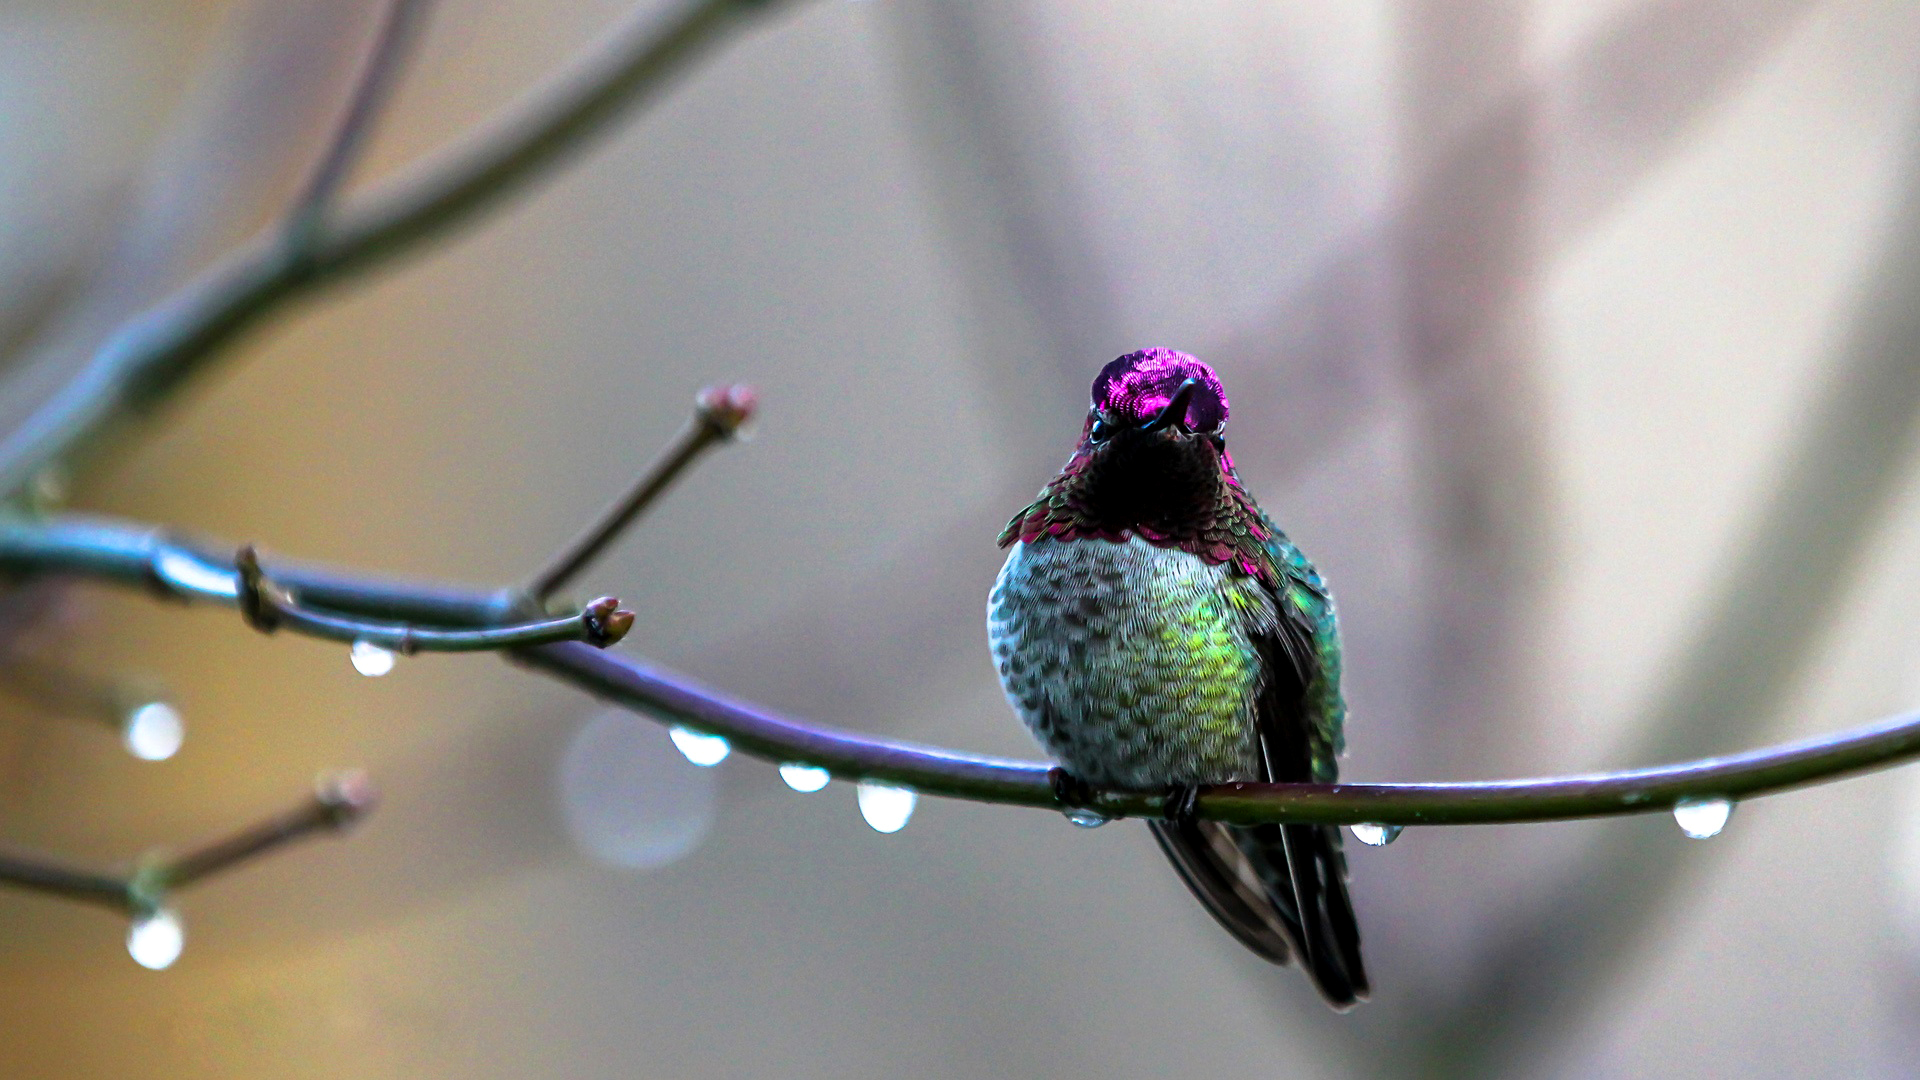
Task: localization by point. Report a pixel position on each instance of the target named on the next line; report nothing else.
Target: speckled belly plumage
(1132, 664)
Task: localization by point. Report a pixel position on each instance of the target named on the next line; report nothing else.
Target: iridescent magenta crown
(1134, 388)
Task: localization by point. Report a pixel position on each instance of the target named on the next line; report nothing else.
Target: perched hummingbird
(1156, 631)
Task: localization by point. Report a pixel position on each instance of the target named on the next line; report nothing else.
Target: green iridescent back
(1306, 600)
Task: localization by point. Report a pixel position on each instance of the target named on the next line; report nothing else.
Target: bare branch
(40, 875)
(128, 555)
(719, 414)
(152, 354)
(398, 30)
(337, 802)
(944, 772)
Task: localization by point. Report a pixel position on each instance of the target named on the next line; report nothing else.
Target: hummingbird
(1155, 630)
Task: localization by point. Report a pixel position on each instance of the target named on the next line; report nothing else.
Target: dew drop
(702, 749)
(804, 777)
(371, 660)
(1085, 818)
(886, 807)
(1376, 835)
(154, 731)
(1702, 818)
(156, 939)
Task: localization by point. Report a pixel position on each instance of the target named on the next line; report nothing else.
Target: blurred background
(1578, 342)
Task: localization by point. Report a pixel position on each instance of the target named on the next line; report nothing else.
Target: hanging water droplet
(155, 940)
(1702, 818)
(804, 777)
(885, 807)
(154, 731)
(1085, 818)
(1376, 835)
(702, 749)
(371, 660)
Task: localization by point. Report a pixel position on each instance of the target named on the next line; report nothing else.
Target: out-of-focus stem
(146, 359)
(720, 412)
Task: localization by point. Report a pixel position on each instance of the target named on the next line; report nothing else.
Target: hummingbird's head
(1152, 461)
(1153, 391)
(1153, 454)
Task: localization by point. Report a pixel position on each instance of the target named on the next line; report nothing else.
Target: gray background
(1570, 338)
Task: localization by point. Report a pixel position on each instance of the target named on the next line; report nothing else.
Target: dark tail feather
(1256, 881)
(1210, 861)
(1331, 934)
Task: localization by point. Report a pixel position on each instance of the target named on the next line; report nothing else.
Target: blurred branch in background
(338, 802)
(399, 27)
(145, 360)
(151, 356)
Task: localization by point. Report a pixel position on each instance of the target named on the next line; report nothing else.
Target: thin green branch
(148, 358)
(126, 555)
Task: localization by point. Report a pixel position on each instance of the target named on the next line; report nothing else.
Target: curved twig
(267, 607)
(944, 772)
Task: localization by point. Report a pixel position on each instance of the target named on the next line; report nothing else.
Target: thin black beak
(1176, 410)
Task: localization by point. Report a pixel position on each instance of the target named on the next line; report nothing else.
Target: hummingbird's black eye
(1101, 430)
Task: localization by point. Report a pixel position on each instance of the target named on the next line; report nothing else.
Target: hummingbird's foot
(1181, 802)
(1069, 791)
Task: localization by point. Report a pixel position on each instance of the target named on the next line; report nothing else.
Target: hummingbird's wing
(1298, 716)
(1307, 858)
(1282, 889)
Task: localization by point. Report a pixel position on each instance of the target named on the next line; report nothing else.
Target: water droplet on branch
(1702, 818)
(885, 807)
(1085, 818)
(1375, 835)
(154, 731)
(702, 749)
(804, 777)
(370, 660)
(155, 940)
